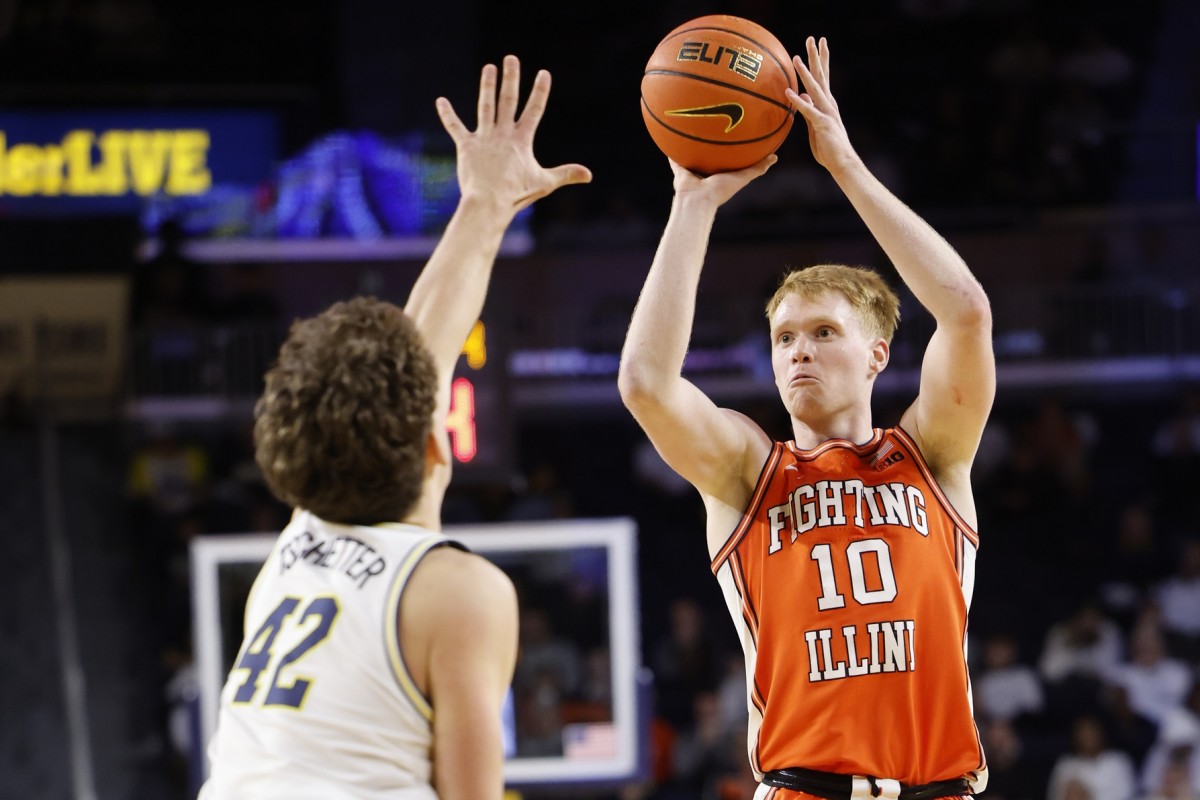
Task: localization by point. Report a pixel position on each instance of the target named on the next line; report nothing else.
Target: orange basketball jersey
(849, 579)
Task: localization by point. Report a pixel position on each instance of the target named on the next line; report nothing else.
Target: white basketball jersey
(319, 702)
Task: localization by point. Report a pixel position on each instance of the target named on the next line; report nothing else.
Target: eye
(824, 332)
(784, 338)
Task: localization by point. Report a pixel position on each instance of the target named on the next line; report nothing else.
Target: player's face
(823, 360)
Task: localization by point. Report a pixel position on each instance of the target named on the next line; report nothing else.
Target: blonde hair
(877, 306)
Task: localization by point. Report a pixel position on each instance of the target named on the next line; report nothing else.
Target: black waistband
(834, 786)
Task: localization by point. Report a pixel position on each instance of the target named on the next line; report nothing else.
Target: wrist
(485, 210)
(694, 203)
(848, 168)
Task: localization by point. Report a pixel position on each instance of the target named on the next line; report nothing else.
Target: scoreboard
(479, 422)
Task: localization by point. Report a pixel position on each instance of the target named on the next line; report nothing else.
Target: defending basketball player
(846, 556)
(378, 653)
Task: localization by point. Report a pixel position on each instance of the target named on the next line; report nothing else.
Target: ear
(881, 352)
(437, 450)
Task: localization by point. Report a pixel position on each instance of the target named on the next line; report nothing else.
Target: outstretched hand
(495, 161)
(719, 186)
(826, 133)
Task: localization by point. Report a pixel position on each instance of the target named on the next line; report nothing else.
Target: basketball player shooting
(378, 652)
(846, 556)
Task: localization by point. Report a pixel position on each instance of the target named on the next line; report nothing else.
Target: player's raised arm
(712, 448)
(498, 176)
(958, 377)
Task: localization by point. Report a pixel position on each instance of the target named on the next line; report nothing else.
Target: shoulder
(746, 422)
(456, 587)
(758, 444)
(735, 469)
(948, 468)
(455, 606)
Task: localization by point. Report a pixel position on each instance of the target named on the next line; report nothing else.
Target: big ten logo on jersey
(880, 464)
(825, 504)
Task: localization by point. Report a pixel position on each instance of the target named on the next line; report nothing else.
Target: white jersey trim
(734, 601)
(391, 626)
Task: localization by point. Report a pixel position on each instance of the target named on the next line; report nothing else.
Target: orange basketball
(712, 94)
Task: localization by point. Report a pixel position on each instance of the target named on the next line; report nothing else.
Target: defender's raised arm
(498, 176)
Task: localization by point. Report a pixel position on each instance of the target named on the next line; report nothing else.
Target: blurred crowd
(1086, 618)
(1085, 626)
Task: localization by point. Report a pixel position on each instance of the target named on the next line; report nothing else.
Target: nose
(801, 354)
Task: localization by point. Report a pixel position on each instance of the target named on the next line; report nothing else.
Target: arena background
(1054, 143)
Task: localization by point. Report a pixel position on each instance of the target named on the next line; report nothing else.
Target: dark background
(1072, 194)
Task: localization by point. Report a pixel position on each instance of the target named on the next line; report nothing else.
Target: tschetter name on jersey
(828, 503)
(353, 557)
(885, 647)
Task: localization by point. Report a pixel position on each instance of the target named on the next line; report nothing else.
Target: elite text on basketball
(744, 62)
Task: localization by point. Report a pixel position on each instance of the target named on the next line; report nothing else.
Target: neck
(427, 512)
(855, 428)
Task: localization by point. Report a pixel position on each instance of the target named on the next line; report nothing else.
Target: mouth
(801, 380)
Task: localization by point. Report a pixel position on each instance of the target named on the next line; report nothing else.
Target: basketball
(713, 94)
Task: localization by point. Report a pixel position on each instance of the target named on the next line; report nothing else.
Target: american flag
(590, 740)
(881, 452)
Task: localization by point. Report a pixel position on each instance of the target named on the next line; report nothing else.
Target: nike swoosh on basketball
(732, 111)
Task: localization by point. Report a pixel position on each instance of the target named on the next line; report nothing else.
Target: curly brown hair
(342, 424)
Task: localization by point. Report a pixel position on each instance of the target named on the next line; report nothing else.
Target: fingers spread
(570, 173)
(814, 59)
(812, 75)
(535, 106)
(806, 77)
(820, 61)
(553, 179)
(450, 120)
(510, 88)
(796, 98)
(487, 97)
